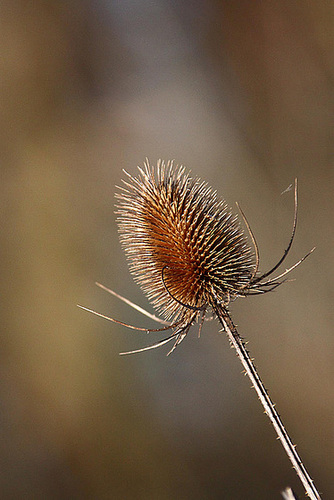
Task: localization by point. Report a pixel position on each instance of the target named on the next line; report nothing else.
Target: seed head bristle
(184, 246)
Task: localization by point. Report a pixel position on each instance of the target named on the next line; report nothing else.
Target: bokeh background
(242, 94)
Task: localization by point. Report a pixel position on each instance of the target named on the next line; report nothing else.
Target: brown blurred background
(242, 94)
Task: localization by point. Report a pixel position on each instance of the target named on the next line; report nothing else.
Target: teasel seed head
(188, 252)
(185, 248)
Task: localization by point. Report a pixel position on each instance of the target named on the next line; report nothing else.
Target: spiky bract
(181, 241)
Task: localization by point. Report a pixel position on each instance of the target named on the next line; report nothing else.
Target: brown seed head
(184, 246)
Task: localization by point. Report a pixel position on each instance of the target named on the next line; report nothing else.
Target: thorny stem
(269, 408)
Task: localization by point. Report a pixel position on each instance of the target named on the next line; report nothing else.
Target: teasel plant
(191, 257)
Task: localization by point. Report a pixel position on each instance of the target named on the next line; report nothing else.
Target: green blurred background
(242, 94)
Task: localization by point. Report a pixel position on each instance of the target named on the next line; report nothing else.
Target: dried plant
(190, 255)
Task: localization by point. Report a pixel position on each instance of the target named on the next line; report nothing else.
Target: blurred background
(242, 94)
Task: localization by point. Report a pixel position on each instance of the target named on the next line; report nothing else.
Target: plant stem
(269, 407)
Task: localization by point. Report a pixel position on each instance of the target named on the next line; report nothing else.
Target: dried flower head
(185, 248)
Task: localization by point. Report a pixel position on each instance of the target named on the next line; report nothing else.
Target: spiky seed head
(181, 241)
